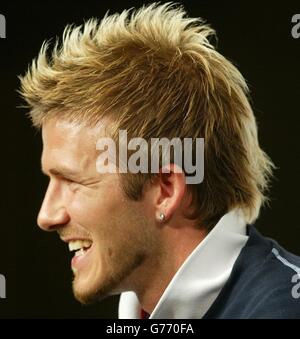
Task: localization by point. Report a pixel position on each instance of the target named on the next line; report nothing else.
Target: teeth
(80, 252)
(79, 245)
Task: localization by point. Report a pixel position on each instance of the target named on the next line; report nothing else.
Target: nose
(53, 214)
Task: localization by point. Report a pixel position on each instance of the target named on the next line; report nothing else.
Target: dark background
(255, 36)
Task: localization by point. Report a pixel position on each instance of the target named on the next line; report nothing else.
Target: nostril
(52, 222)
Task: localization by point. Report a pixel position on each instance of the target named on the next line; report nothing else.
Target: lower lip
(80, 261)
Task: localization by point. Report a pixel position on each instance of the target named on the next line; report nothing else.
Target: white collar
(197, 283)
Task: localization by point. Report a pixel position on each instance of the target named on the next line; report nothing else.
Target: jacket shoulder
(264, 283)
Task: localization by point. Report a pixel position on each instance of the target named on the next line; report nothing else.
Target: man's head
(111, 234)
(154, 74)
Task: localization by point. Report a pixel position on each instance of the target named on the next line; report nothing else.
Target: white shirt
(199, 280)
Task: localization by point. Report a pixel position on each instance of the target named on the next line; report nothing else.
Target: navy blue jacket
(264, 283)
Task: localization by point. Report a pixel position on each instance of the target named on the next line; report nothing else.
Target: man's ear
(171, 188)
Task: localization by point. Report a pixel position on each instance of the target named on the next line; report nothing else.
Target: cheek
(90, 209)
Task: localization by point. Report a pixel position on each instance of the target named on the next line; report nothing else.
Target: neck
(178, 245)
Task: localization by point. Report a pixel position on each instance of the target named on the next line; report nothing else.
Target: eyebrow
(62, 172)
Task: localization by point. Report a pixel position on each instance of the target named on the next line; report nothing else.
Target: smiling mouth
(80, 247)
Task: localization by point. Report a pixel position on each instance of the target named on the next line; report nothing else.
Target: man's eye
(71, 182)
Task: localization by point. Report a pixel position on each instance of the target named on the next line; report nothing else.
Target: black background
(256, 36)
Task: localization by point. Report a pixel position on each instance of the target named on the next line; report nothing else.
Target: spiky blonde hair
(155, 73)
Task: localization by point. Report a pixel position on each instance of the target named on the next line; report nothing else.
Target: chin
(88, 292)
(99, 283)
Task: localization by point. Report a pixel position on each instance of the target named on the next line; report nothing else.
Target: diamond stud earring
(161, 217)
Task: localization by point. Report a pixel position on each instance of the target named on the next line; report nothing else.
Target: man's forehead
(69, 145)
(61, 129)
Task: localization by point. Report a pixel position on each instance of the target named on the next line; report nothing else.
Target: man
(173, 249)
